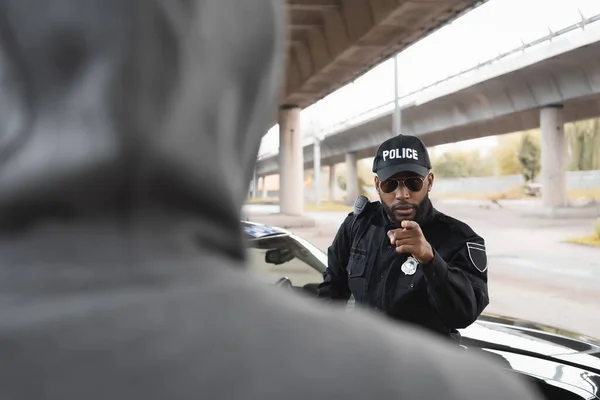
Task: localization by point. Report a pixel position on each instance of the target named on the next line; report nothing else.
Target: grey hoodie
(128, 131)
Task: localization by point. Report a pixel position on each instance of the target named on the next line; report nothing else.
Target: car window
(299, 264)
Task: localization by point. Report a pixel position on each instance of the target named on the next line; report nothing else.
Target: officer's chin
(404, 215)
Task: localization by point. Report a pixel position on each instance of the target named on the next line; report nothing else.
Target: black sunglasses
(412, 183)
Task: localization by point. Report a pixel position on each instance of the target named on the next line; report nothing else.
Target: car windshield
(273, 257)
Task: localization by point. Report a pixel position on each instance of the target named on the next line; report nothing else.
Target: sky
(493, 28)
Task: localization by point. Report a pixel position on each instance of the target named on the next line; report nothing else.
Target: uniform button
(381, 276)
(412, 285)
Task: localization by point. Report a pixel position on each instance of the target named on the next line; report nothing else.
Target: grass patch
(477, 196)
(585, 193)
(259, 200)
(516, 193)
(591, 240)
(511, 194)
(328, 206)
(324, 206)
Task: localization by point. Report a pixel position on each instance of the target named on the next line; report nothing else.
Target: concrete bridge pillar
(253, 186)
(265, 192)
(332, 182)
(291, 161)
(351, 178)
(553, 175)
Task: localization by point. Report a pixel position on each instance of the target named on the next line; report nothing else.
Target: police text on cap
(400, 153)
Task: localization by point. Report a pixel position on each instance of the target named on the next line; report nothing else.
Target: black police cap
(402, 153)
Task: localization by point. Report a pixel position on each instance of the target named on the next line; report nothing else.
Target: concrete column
(254, 185)
(291, 162)
(265, 192)
(332, 182)
(351, 178)
(553, 176)
(317, 170)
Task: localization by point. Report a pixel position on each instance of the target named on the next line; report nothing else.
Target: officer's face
(403, 194)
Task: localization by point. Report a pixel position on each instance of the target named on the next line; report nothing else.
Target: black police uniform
(448, 293)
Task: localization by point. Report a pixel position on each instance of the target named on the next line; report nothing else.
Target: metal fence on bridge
(408, 99)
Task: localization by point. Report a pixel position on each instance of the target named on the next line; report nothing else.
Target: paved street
(533, 274)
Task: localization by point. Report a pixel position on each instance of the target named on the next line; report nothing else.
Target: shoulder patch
(477, 255)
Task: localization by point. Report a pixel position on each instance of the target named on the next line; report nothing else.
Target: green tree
(341, 180)
(451, 165)
(478, 165)
(462, 164)
(583, 138)
(362, 172)
(530, 155)
(506, 155)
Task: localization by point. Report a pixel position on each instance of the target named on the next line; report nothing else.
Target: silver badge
(410, 266)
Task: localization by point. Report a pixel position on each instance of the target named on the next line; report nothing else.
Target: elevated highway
(556, 83)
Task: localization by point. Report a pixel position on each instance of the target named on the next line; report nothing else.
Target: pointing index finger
(392, 235)
(409, 225)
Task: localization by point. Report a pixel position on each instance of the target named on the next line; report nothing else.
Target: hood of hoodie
(127, 125)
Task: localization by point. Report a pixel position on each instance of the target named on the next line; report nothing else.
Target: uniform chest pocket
(357, 263)
(356, 268)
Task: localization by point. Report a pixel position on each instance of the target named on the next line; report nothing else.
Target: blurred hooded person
(128, 130)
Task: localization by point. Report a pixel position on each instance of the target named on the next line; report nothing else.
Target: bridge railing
(407, 99)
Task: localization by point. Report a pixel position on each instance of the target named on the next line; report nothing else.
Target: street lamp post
(397, 121)
(317, 169)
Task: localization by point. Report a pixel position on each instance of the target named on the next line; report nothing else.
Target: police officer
(404, 258)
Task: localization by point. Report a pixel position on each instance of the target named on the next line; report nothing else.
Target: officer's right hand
(410, 239)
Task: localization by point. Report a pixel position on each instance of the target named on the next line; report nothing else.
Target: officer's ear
(376, 182)
(430, 179)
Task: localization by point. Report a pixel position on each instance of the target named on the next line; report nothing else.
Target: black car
(563, 364)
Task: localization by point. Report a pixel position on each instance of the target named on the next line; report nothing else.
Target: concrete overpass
(556, 83)
(332, 42)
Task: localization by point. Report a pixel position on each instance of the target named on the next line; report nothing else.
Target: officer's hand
(410, 239)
